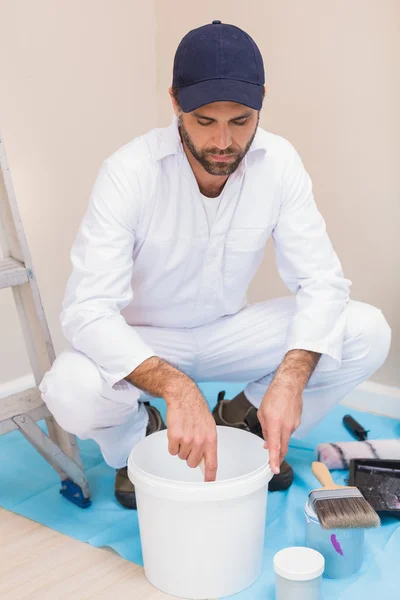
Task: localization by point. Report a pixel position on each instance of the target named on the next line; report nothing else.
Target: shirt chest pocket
(243, 253)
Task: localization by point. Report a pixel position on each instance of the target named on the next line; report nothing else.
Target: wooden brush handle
(323, 475)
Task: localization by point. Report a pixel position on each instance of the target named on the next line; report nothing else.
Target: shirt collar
(170, 141)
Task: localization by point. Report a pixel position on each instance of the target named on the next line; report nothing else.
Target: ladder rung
(12, 272)
(26, 402)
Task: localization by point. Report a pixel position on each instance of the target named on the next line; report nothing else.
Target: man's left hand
(279, 415)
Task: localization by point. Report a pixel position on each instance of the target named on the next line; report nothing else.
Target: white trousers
(248, 346)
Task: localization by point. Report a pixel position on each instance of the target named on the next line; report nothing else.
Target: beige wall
(333, 71)
(72, 83)
(73, 76)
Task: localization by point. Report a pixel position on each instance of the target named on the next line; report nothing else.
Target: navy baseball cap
(218, 62)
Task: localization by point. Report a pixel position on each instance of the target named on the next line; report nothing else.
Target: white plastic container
(202, 540)
(298, 574)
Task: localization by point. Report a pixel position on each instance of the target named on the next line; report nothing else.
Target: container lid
(299, 563)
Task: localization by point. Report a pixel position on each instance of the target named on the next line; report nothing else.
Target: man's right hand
(192, 433)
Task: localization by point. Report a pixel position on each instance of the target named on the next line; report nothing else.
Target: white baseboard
(375, 398)
(364, 397)
(17, 385)
(380, 388)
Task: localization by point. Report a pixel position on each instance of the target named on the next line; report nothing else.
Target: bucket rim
(156, 480)
(196, 485)
(310, 513)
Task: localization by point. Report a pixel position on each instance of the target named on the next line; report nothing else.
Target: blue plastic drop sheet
(30, 487)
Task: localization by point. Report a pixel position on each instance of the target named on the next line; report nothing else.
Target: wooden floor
(37, 563)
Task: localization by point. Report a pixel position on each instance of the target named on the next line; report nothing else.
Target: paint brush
(338, 506)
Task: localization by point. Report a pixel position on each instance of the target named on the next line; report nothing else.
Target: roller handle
(355, 428)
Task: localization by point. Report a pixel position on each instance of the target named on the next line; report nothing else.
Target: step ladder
(22, 411)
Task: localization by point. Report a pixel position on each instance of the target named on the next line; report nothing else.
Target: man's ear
(174, 103)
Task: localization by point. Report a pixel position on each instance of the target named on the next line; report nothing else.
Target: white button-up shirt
(144, 254)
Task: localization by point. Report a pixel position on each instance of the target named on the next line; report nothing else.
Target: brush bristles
(344, 513)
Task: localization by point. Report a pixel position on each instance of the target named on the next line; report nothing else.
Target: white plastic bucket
(202, 540)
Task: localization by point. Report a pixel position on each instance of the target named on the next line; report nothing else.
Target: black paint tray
(379, 482)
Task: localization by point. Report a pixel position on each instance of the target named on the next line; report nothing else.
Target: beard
(204, 156)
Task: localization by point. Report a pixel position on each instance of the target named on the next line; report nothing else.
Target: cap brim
(220, 90)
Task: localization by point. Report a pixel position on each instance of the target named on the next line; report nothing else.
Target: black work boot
(124, 488)
(240, 413)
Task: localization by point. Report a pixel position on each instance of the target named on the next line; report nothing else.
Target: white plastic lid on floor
(299, 563)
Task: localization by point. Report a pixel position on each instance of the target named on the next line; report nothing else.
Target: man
(175, 231)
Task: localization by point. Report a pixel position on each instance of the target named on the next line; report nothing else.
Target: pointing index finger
(211, 463)
(274, 445)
